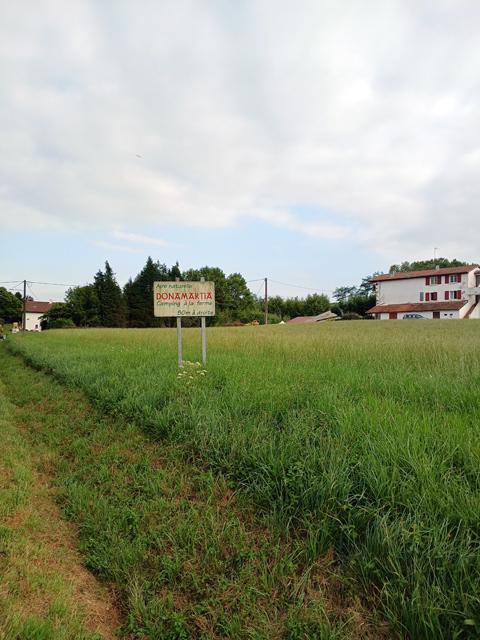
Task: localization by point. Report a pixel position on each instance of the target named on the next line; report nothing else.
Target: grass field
(361, 437)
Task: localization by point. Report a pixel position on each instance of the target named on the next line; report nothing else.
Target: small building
(442, 294)
(34, 310)
(322, 317)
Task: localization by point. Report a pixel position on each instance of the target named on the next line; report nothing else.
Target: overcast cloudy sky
(311, 141)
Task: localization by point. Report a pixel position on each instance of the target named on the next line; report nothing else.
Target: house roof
(404, 275)
(446, 305)
(36, 306)
(327, 315)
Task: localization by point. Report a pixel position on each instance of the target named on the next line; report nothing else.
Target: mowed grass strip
(45, 592)
(361, 436)
(185, 560)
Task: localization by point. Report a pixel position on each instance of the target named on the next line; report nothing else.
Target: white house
(34, 310)
(452, 292)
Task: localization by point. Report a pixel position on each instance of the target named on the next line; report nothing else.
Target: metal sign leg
(179, 342)
(204, 341)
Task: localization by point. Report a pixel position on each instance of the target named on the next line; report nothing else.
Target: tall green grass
(360, 436)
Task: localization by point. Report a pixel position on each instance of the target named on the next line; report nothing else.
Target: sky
(311, 142)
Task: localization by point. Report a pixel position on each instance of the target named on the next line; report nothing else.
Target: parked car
(413, 316)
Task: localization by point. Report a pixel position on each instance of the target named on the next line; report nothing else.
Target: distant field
(361, 436)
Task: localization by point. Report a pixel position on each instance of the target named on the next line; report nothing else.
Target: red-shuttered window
(456, 277)
(427, 296)
(447, 280)
(427, 280)
(434, 296)
(447, 297)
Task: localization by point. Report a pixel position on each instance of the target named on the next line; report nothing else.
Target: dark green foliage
(111, 305)
(60, 323)
(355, 300)
(343, 293)
(10, 306)
(83, 306)
(233, 298)
(139, 293)
(419, 265)
(286, 308)
(56, 315)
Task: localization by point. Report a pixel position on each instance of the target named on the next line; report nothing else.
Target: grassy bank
(184, 558)
(358, 436)
(45, 593)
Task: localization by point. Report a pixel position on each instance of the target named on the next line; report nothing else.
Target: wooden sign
(183, 299)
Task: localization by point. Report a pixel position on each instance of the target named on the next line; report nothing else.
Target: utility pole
(24, 313)
(266, 301)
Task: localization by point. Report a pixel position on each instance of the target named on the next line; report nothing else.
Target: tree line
(103, 303)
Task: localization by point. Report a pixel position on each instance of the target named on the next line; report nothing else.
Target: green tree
(316, 303)
(10, 306)
(239, 299)
(111, 305)
(58, 316)
(175, 272)
(420, 265)
(216, 275)
(367, 287)
(139, 294)
(83, 306)
(343, 293)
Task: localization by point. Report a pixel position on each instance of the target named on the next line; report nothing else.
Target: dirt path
(42, 579)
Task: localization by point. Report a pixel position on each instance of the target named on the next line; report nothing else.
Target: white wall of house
(444, 315)
(32, 321)
(475, 313)
(408, 290)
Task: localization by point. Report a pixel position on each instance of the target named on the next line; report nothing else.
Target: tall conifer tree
(111, 304)
(139, 294)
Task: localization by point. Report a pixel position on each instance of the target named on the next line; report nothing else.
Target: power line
(259, 289)
(55, 284)
(296, 286)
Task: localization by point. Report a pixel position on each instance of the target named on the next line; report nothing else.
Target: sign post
(204, 335)
(179, 339)
(185, 299)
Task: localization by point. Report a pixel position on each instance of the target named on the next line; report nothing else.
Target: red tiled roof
(36, 306)
(403, 275)
(447, 305)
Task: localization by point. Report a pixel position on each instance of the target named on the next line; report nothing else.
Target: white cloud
(137, 238)
(111, 246)
(368, 112)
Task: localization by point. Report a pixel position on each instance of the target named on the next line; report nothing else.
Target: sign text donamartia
(183, 299)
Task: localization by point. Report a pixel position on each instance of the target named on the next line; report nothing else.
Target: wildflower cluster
(191, 371)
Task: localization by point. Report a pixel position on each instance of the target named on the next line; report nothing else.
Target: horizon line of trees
(103, 303)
